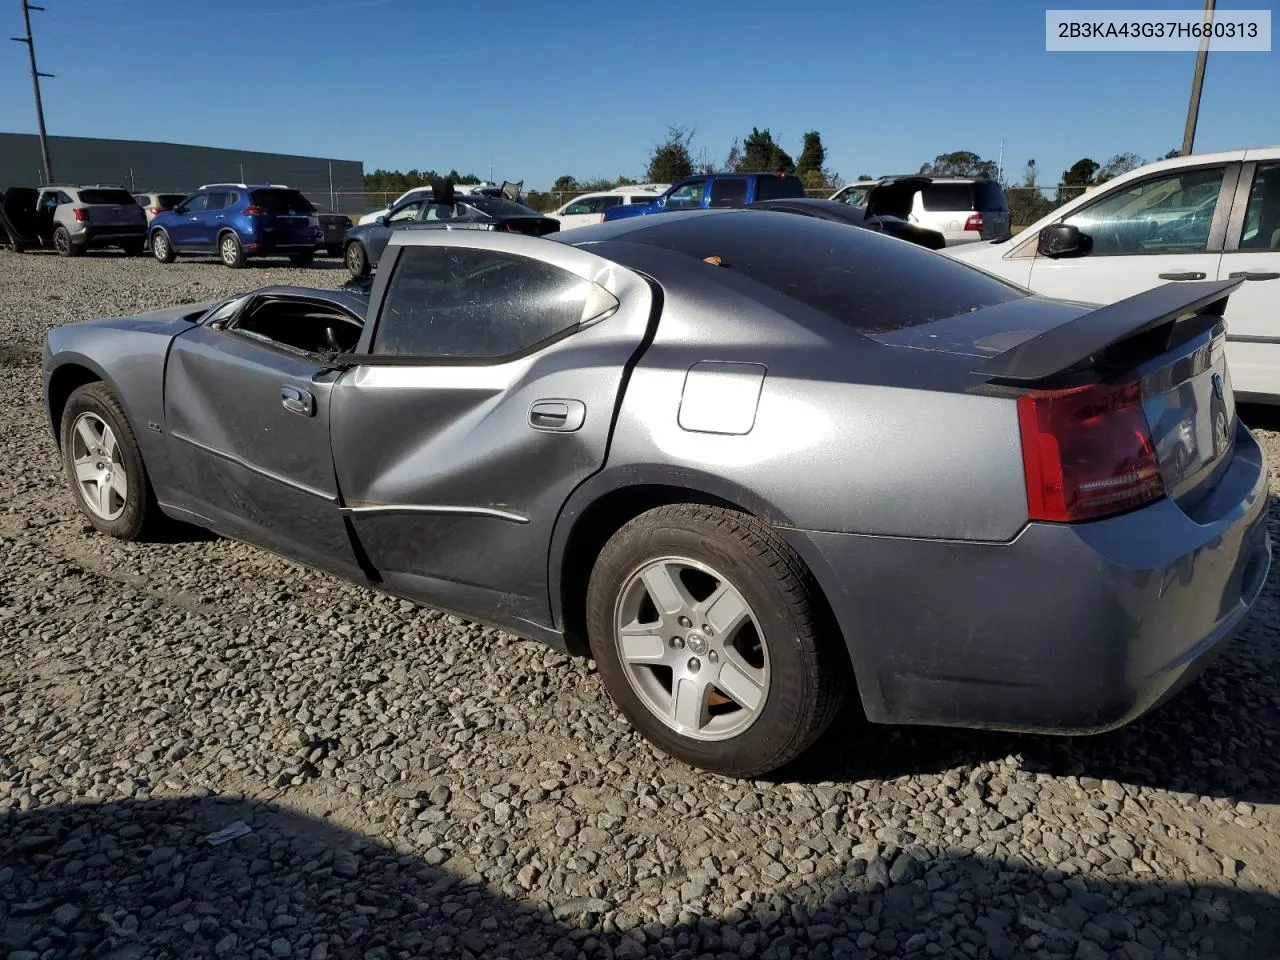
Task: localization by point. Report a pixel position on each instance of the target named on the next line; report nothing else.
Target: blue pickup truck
(711, 190)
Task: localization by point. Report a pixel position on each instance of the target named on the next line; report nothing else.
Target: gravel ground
(420, 786)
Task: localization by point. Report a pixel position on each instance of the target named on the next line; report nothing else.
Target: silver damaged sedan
(754, 464)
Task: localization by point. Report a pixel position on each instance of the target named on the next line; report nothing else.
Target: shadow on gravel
(138, 879)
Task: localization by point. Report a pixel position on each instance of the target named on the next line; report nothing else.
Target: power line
(29, 40)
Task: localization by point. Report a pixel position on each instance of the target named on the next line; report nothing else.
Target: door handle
(561, 416)
(296, 400)
(193, 219)
(221, 216)
(1255, 275)
(1184, 275)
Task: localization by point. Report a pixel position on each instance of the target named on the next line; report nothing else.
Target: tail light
(252, 211)
(81, 214)
(155, 211)
(1087, 452)
(974, 222)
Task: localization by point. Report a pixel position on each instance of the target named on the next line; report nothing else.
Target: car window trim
(1221, 212)
(1240, 206)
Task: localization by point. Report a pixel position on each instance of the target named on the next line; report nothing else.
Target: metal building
(143, 165)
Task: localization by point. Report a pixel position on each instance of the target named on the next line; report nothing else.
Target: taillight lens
(974, 222)
(156, 211)
(253, 211)
(81, 214)
(1087, 452)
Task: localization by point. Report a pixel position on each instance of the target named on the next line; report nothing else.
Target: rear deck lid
(111, 207)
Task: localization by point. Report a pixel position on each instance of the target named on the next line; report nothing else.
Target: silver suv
(962, 209)
(72, 219)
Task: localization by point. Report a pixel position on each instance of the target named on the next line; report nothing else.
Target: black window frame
(230, 325)
(392, 263)
(1247, 176)
(733, 181)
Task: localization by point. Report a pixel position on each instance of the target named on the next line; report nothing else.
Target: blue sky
(572, 88)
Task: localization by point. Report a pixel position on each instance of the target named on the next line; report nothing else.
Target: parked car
(333, 232)
(507, 189)
(155, 204)
(1206, 216)
(885, 211)
(751, 462)
(72, 219)
(366, 242)
(238, 221)
(590, 207)
(963, 209)
(714, 190)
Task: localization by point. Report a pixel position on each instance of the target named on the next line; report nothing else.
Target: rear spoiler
(1062, 347)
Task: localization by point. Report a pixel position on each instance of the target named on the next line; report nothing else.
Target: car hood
(179, 317)
(978, 253)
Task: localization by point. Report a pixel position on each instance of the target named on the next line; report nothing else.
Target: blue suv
(238, 221)
(708, 191)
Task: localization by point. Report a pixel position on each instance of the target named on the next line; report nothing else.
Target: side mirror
(1062, 240)
(381, 221)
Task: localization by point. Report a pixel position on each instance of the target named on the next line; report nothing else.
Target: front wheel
(712, 639)
(162, 247)
(103, 463)
(357, 259)
(230, 251)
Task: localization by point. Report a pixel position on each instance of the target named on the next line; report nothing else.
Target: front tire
(357, 259)
(230, 252)
(162, 247)
(711, 637)
(63, 244)
(104, 465)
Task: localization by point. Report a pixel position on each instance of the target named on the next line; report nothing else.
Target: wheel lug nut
(685, 622)
(694, 665)
(713, 657)
(677, 642)
(706, 628)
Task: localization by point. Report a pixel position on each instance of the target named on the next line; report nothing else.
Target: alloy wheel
(101, 478)
(692, 649)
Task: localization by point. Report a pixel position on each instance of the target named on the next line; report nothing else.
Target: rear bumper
(1065, 629)
(105, 236)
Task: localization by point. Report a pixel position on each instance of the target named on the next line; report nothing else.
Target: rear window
(858, 278)
(282, 201)
(948, 196)
(167, 201)
(990, 196)
(778, 188)
(107, 195)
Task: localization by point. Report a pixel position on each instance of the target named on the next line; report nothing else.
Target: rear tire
(95, 431)
(357, 259)
(162, 247)
(62, 243)
(302, 259)
(230, 251)
(764, 682)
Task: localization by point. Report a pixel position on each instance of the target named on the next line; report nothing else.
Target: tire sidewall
(162, 246)
(789, 687)
(97, 399)
(62, 242)
(238, 260)
(357, 248)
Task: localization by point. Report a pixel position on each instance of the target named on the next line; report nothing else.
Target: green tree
(1171, 154)
(1076, 178)
(565, 184)
(813, 156)
(670, 160)
(1121, 163)
(733, 160)
(1031, 175)
(760, 152)
(959, 163)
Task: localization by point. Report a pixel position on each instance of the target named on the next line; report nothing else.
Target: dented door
(453, 471)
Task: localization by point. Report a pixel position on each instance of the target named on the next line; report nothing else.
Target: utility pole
(35, 82)
(1197, 83)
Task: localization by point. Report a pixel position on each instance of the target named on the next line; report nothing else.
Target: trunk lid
(110, 207)
(1171, 339)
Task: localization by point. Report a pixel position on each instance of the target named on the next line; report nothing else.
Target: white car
(1203, 217)
(460, 189)
(590, 207)
(962, 209)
